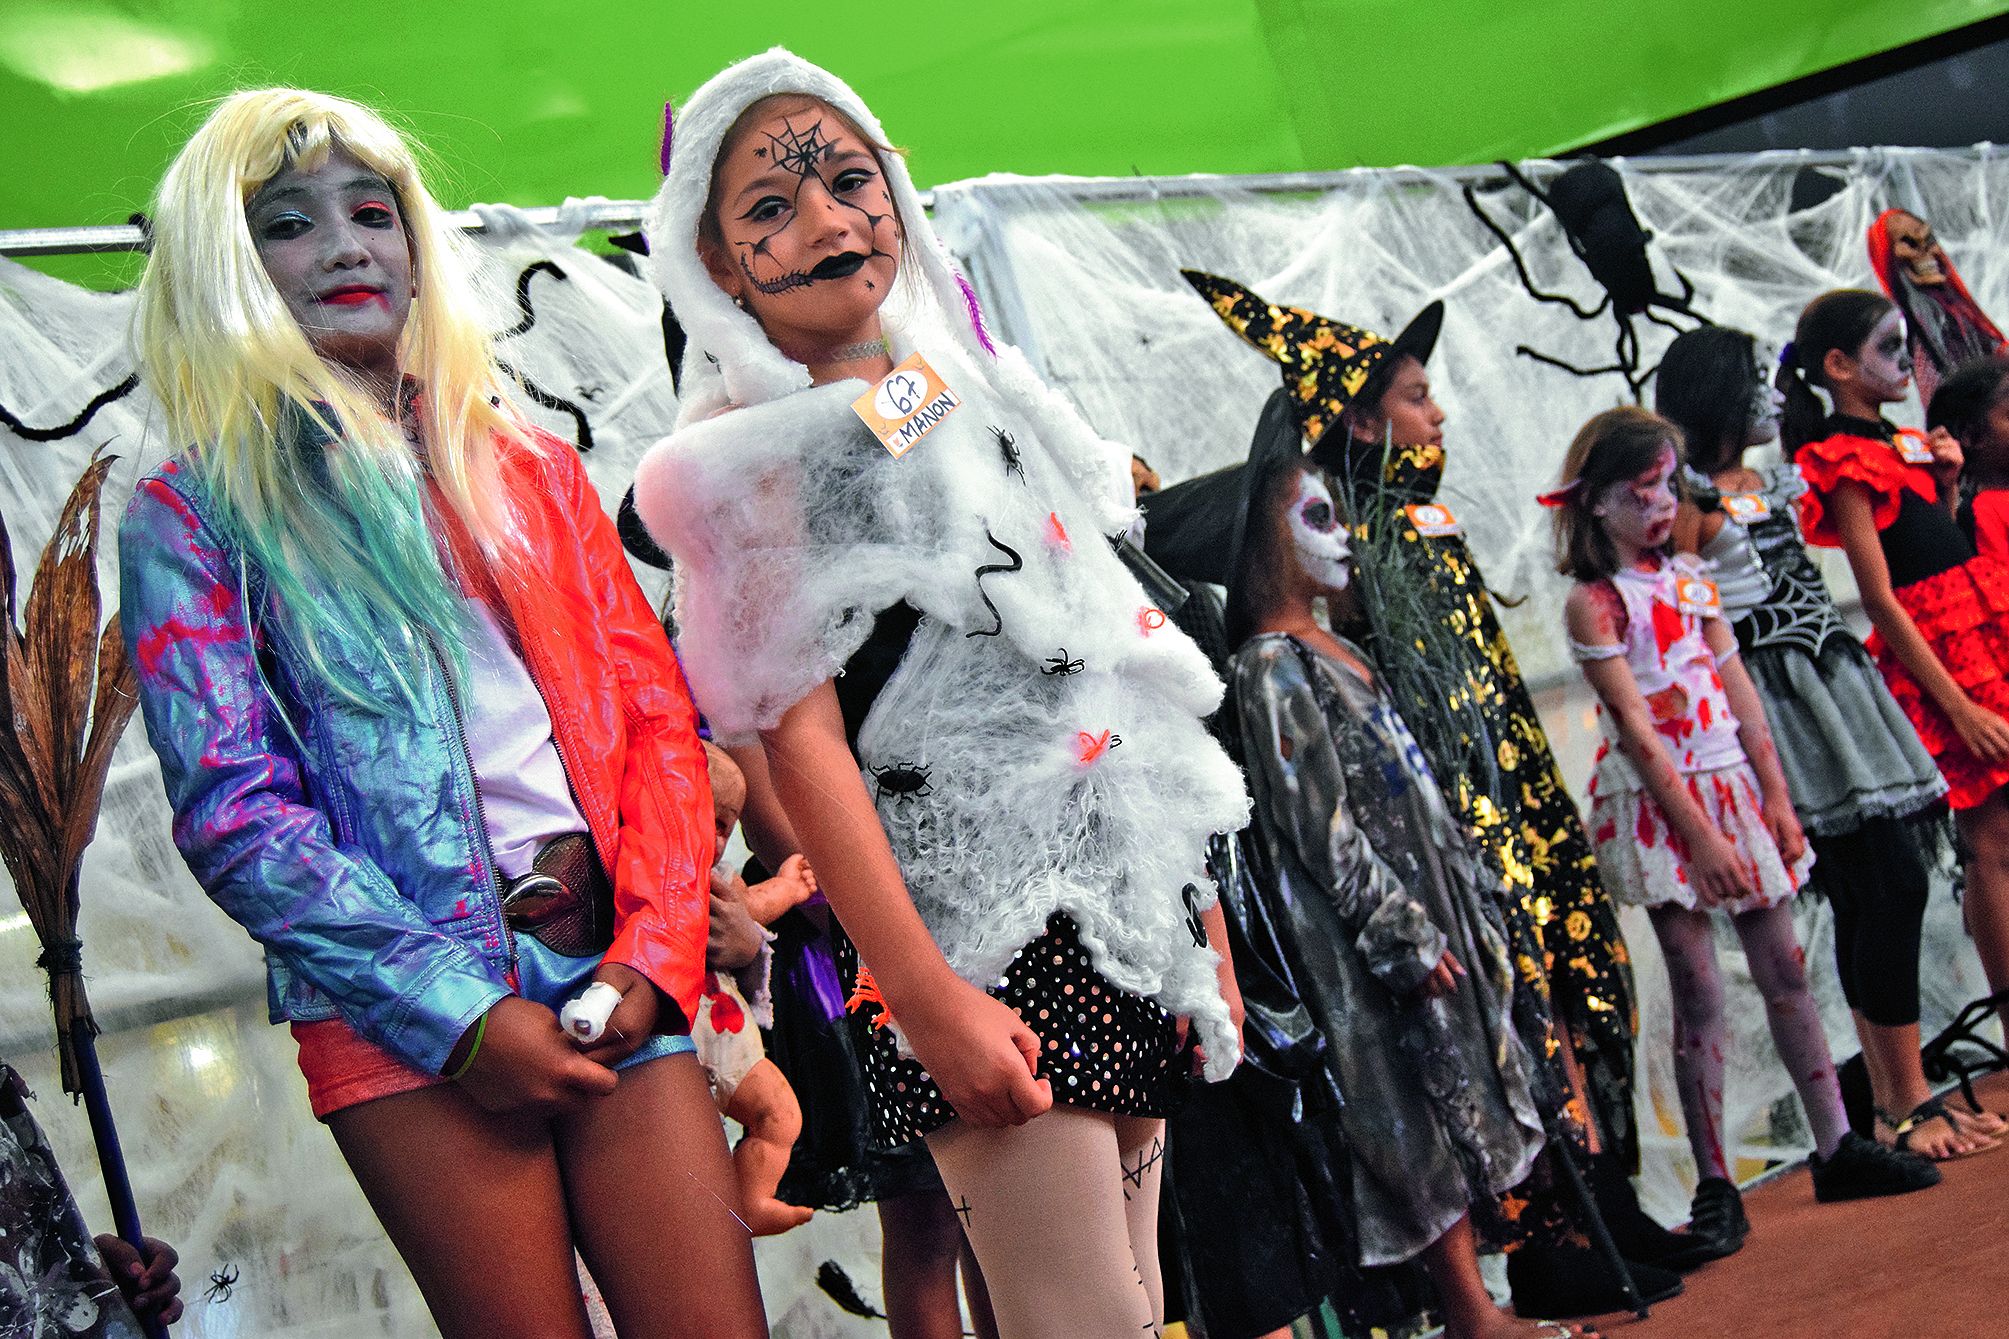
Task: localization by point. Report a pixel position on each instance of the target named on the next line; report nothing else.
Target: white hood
(721, 334)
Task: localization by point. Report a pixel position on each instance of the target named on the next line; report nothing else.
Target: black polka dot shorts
(1102, 1048)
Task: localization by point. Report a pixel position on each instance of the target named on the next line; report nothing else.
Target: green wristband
(480, 1030)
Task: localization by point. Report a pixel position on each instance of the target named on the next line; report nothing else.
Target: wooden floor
(1934, 1265)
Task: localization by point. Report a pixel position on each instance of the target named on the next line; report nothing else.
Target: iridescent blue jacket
(351, 845)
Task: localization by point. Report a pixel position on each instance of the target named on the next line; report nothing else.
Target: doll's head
(1617, 498)
(300, 273)
(728, 791)
(1851, 344)
(1973, 405)
(1712, 386)
(800, 228)
(1396, 405)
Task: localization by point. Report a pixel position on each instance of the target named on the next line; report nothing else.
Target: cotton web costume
(1010, 795)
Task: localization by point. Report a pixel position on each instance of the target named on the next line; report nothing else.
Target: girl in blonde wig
(446, 799)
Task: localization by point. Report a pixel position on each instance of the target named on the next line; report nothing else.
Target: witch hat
(1326, 363)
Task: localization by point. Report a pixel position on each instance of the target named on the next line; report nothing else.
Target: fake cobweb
(227, 1161)
(1088, 283)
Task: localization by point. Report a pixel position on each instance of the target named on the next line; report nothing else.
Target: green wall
(527, 101)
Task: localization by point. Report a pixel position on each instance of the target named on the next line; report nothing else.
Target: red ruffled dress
(1958, 599)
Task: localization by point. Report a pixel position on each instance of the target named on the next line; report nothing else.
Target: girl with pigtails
(893, 574)
(425, 740)
(1888, 498)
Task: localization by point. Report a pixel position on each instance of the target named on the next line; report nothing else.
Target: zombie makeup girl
(1017, 857)
(1887, 498)
(1689, 807)
(424, 738)
(1864, 788)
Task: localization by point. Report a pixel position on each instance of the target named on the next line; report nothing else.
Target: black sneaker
(1863, 1169)
(1717, 1216)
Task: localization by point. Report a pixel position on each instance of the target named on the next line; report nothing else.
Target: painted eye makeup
(1317, 514)
(375, 214)
(279, 227)
(765, 210)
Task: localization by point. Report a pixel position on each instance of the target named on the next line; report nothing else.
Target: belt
(566, 901)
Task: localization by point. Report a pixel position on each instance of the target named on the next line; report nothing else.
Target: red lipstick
(355, 295)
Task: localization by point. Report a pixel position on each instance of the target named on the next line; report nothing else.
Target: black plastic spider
(220, 1284)
(1008, 448)
(1062, 666)
(904, 778)
(1589, 201)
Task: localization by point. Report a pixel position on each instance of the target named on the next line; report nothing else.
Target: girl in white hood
(987, 742)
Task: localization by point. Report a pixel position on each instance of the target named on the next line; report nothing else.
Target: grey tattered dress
(1372, 879)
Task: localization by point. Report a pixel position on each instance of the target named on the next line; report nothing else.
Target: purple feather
(669, 133)
(976, 314)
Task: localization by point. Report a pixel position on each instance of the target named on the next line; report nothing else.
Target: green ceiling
(528, 101)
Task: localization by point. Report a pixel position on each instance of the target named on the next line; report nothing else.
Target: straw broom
(66, 694)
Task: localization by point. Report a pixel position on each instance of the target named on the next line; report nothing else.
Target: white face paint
(1638, 513)
(1761, 422)
(1316, 534)
(1884, 361)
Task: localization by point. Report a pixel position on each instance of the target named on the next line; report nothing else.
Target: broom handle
(111, 1160)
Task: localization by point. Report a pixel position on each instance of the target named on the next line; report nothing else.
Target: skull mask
(1914, 246)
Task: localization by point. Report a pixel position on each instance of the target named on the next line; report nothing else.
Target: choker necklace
(844, 353)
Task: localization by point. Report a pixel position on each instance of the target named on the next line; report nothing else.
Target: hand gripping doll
(894, 570)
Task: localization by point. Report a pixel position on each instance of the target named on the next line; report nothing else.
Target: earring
(739, 301)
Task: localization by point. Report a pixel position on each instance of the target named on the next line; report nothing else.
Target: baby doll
(745, 1083)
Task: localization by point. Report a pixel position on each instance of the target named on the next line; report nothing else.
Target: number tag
(1911, 447)
(1433, 520)
(1746, 508)
(1697, 595)
(905, 406)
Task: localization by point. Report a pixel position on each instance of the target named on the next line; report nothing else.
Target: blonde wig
(339, 533)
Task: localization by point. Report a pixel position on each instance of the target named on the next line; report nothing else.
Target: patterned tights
(1779, 969)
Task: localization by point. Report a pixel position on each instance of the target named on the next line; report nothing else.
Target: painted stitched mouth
(840, 266)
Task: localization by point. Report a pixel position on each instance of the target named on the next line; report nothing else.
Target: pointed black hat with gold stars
(1326, 363)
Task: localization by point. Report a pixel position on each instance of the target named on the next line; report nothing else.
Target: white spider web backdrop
(227, 1161)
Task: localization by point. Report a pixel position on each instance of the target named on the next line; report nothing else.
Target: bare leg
(977, 1294)
(765, 1105)
(1469, 1310)
(1897, 1081)
(1984, 831)
(1042, 1205)
(920, 1240)
(469, 1197)
(653, 1201)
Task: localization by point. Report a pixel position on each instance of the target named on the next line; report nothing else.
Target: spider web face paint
(775, 250)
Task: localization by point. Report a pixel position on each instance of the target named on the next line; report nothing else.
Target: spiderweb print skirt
(1645, 861)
